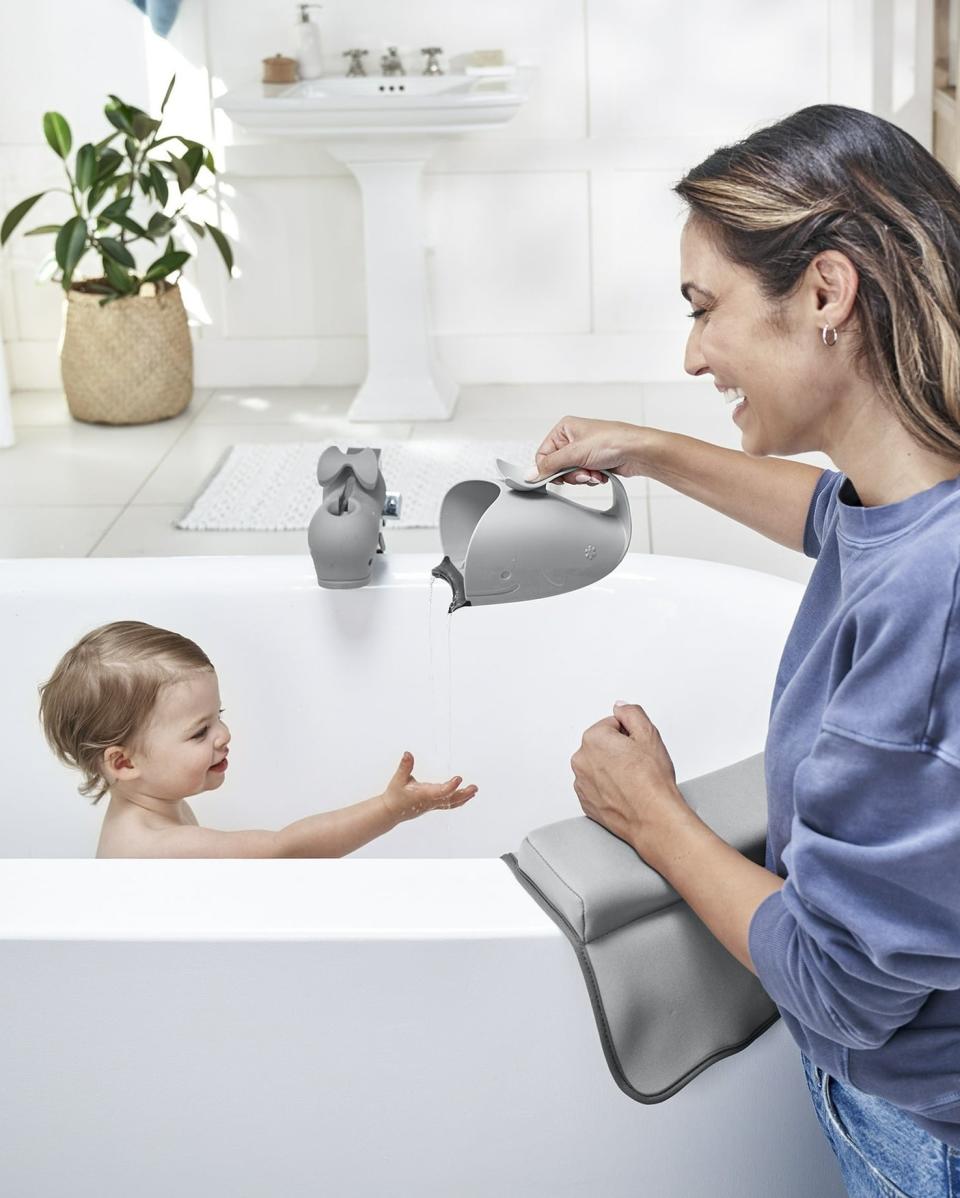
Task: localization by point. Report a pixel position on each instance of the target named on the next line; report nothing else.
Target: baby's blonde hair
(104, 690)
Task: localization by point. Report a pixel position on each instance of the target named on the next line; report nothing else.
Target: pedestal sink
(385, 129)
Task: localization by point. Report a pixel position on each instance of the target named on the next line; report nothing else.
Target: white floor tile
(181, 476)
(53, 531)
(549, 402)
(304, 407)
(33, 409)
(84, 463)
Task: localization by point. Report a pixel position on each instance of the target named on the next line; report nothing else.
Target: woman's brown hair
(835, 178)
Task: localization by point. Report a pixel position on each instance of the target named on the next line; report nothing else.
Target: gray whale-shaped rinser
(509, 540)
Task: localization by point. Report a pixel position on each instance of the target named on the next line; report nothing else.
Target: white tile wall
(552, 243)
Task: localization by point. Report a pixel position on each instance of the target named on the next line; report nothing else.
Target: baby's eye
(200, 735)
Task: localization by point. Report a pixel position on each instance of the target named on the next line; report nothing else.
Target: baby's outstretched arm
(329, 834)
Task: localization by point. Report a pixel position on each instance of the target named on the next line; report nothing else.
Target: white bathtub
(406, 1021)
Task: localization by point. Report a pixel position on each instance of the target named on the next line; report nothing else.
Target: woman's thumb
(551, 463)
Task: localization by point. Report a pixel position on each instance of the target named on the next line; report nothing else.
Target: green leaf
(160, 189)
(145, 182)
(102, 145)
(71, 242)
(165, 266)
(194, 160)
(118, 115)
(208, 162)
(97, 192)
(117, 276)
(159, 225)
(86, 166)
(144, 125)
(42, 229)
(223, 246)
(109, 162)
(184, 176)
(16, 215)
(131, 147)
(117, 251)
(128, 223)
(116, 208)
(199, 229)
(166, 97)
(57, 132)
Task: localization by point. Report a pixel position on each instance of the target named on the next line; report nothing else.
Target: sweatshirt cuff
(767, 938)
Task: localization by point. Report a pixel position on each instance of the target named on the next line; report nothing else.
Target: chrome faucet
(390, 63)
(344, 534)
(432, 66)
(356, 63)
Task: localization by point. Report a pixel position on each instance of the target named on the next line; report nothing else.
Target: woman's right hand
(601, 444)
(406, 798)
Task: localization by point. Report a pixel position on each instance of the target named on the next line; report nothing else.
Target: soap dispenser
(309, 47)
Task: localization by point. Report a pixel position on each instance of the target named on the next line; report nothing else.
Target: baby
(137, 710)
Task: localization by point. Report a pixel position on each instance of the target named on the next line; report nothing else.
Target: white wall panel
(298, 246)
(721, 68)
(511, 254)
(553, 243)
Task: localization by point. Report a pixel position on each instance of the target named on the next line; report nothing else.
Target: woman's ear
(835, 282)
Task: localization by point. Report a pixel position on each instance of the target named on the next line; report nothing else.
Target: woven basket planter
(129, 361)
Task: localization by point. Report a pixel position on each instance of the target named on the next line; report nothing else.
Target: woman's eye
(696, 313)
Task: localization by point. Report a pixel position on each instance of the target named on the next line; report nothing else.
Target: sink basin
(383, 129)
(419, 104)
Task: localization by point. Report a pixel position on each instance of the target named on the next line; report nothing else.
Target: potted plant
(126, 355)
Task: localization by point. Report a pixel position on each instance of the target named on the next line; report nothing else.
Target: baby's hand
(406, 798)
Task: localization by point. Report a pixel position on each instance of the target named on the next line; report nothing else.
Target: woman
(822, 259)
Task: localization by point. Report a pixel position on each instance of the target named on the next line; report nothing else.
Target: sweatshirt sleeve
(868, 920)
(823, 504)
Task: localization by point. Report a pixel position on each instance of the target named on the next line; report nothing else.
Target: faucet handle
(432, 67)
(392, 503)
(356, 65)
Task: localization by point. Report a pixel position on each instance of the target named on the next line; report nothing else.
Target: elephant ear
(331, 462)
(366, 466)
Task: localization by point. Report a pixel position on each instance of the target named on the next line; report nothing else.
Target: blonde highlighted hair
(104, 690)
(835, 178)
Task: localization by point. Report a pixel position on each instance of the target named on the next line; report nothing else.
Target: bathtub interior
(324, 689)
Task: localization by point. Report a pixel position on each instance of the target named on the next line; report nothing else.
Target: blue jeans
(882, 1153)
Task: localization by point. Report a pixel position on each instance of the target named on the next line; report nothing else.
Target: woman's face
(782, 369)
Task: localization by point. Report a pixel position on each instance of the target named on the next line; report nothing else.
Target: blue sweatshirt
(860, 950)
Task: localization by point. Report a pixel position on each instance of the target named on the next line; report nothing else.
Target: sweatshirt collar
(866, 525)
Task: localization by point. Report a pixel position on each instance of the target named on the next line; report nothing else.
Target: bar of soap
(487, 58)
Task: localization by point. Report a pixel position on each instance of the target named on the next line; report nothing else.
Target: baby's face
(184, 748)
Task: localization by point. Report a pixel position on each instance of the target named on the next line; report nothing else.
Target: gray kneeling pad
(669, 999)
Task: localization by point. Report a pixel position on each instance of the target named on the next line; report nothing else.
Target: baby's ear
(117, 764)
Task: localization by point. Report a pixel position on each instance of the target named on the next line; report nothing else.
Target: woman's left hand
(624, 778)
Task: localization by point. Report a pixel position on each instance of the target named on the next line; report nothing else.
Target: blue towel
(162, 13)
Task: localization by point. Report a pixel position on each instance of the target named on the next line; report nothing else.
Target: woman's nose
(693, 360)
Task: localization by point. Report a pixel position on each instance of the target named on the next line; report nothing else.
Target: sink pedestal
(405, 380)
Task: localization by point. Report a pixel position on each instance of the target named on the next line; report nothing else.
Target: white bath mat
(272, 488)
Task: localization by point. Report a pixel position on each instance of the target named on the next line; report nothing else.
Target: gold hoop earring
(823, 335)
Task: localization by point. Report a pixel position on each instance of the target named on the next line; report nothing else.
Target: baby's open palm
(407, 798)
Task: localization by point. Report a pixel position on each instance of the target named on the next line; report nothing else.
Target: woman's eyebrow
(686, 288)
